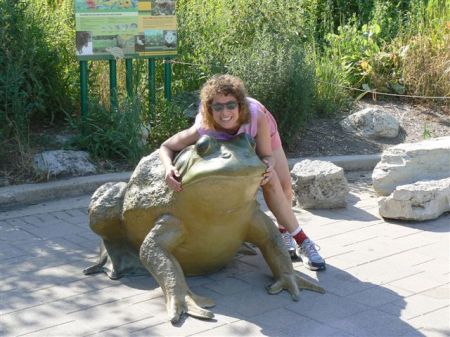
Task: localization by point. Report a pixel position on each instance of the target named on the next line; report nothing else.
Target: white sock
(298, 230)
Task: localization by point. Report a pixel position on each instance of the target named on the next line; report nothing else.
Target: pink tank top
(250, 128)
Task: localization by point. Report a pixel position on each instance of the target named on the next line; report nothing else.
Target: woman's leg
(282, 170)
(278, 196)
(278, 204)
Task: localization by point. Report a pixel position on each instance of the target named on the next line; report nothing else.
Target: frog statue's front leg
(156, 256)
(264, 234)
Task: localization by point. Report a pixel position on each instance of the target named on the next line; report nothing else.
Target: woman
(225, 112)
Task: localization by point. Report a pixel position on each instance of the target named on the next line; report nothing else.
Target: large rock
(423, 200)
(319, 184)
(63, 163)
(372, 123)
(410, 162)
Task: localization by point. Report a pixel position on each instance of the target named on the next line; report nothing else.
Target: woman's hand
(269, 169)
(172, 178)
(167, 151)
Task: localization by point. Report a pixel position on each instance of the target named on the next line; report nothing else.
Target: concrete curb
(15, 196)
(27, 194)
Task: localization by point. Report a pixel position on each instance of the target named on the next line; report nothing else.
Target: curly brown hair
(223, 85)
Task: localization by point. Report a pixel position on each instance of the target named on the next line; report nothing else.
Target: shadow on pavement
(350, 213)
(350, 307)
(439, 225)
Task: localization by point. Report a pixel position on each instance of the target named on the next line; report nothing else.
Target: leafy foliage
(260, 41)
(112, 134)
(167, 120)
(33, 69)
(331, 83)
(298, 57)
(277, 75)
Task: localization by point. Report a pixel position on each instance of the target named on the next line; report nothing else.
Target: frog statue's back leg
(264, 234)
(156, 256)
(117, 258)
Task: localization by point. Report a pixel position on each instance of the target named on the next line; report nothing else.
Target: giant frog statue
(192, 232)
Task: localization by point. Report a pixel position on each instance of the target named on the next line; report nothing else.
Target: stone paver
(383, 279)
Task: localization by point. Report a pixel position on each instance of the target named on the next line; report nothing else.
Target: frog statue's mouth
(216, 170)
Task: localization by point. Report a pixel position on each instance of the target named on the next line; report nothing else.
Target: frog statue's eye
(205, 145)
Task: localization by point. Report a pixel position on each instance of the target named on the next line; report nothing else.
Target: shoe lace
(288, 241)
(310, 248)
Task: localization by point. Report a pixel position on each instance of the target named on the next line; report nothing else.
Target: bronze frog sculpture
(192, 232)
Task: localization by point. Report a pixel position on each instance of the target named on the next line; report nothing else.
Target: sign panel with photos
(125, 28)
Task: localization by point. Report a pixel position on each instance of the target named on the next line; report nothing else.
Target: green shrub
(212, 32)
(167, 120)
(331, 95)
(401, 49)
(33, 69)
(354, 48)
(275, 72)
(297, 57)
(115, 134)
(20, 67)
(425, 65)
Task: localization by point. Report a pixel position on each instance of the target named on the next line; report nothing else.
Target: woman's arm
(167, 150)
(264, 147)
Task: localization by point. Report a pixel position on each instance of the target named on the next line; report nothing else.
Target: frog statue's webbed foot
(190, 304)
(156, 256)
(264, 234)
(293, 283)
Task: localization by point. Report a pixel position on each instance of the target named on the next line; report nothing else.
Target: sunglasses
(218, 107)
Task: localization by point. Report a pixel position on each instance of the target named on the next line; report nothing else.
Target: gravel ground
(325, 137)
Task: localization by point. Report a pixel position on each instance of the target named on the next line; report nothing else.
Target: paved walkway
(383, 279)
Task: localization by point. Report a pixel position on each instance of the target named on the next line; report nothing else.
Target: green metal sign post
(167, 79)
(129, 77)
(129, 83)
(152, 85)
(113, 83)
(84, 88)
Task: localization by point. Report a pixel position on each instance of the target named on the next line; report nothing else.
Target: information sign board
(125, 28)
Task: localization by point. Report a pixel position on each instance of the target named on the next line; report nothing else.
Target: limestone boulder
(319, 184)
(63, 163)
(410, 162)
(423, 200)
(372, 123)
